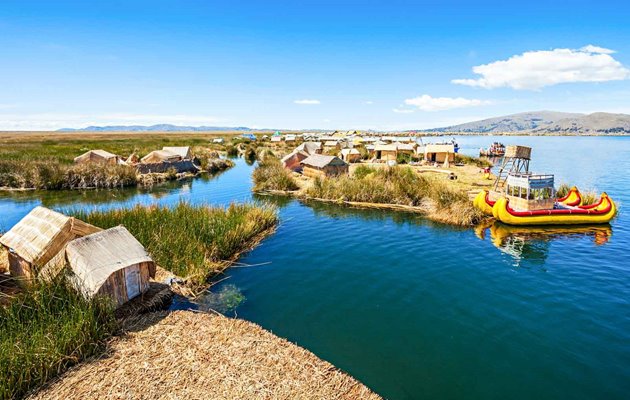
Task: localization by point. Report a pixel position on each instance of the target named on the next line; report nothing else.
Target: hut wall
(439, 157)
(312, 172)
(163, 167)
(335, 170)
(20, 269)
(352, 158)
(118, 286)
(388, 155)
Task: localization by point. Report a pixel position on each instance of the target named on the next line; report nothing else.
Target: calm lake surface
(416, 309)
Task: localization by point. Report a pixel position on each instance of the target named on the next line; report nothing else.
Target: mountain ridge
(546, 122)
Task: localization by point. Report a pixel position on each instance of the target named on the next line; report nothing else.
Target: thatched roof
(299, 155)
(405, 147)
(321, 161)
(95, 257)
(160, 156)
(385, 147)
(439, 148)
(182, 151)
(330, 143)
(309, 147)
(349, 151)
(95, 156)
(42, 233)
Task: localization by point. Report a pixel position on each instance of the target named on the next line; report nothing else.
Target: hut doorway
(132, 278)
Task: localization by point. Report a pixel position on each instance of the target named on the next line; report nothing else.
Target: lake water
(416, 309)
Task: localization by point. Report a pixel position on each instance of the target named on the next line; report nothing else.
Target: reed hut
(439, 153)
(158, 156)
(350, 155)
(292, 160)
(405, 148)
(35, 244)
(182, 151)
(110, 263)
(97, 157)
(331, 145)
(310, 148)
(386, 152)
(323, 166)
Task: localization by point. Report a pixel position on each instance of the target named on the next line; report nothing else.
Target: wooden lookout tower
(515, 161)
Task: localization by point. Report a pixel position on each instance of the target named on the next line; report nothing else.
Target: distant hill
(547, 122)
(155, 128)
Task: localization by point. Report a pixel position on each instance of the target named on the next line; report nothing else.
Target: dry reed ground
(189, 355)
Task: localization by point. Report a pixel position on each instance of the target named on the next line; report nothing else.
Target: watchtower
(515, 161)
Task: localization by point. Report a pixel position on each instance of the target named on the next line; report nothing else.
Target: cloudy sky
(308, 64)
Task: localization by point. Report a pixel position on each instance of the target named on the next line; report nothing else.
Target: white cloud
(402, 110)
(53, 121)
(596, 49)
(307, 102)
(369, 102)
(428, 103)
(533, 70)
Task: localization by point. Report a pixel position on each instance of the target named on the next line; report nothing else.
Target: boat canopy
(531, 186)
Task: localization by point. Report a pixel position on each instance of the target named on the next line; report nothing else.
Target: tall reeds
(51, 175)
(45, 330)
(193, 242)
(400, 186)
(271, 175)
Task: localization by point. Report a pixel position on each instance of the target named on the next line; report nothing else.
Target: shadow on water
(531, 243)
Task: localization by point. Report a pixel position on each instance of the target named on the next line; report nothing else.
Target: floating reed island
(395, 177)
(55, 162)
(72, 278)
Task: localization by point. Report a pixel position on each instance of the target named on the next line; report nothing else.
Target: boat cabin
(529, 192)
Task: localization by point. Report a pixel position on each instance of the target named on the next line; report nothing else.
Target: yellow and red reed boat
(599, 213)
(482, 200)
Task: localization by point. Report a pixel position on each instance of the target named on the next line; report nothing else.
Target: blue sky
(328, 64)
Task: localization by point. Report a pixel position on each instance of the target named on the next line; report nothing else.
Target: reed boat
(482, 200)
(598, 213)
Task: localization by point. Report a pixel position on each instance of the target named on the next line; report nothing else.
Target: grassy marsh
(45, 330)
(193, 242)
(270, 175)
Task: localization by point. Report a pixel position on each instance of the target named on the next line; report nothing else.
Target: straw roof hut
(182, 151)
(97, 156)
(158, 156)
(323, 166)
(292, 160)
(350, 155)
(387, 152)
(439, 153)
(36, 243)
(110, 263)
(310, 148)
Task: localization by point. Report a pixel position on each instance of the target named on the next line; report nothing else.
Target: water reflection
(531, 244)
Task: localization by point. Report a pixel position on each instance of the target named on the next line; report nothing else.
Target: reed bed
(45, 330)
(399, 185)
(193, 242)
(270, 175)
(52, 175)
(235, 360)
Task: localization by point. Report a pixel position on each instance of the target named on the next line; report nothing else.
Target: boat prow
(482, 202)
(572, 199)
